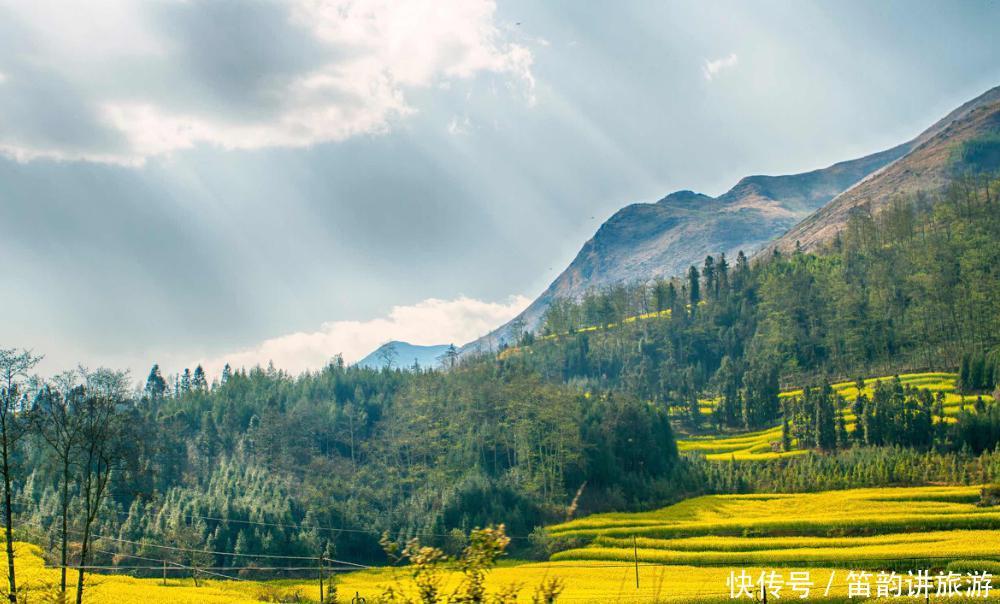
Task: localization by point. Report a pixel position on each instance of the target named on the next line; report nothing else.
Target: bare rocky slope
(938, 155)
(647, 240)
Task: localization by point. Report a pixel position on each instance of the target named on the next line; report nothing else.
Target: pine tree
(156, 386)
(708, 275)
(786, 438)
(694, 411)
(185, 381)
(963, 374)
(862, 422)
(826, 428)
(660, 297)
(199, 383)
(979, 405)
(843, 439)
(450, 356)
(977, 372)
(722, 272)
(925, 425)
(694, 291)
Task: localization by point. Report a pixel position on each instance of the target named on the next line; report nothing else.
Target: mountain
(647, 240)
(966, 140)
(643, 241)
(405, 354)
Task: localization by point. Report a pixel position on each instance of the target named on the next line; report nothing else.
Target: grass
(765, 444)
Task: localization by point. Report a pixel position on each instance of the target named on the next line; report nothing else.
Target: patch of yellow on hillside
(765, 444)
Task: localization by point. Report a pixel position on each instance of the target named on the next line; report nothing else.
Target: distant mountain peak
(403, 355)
(685, 196)
(643, 241)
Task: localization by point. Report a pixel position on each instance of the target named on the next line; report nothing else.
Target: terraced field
(763, 444)
(873, 528)
(582, 582)
(685, 552)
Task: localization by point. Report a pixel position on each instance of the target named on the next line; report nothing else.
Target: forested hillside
(576, 418)
(912, 287)
(261, 462)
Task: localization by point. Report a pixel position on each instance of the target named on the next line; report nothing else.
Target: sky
(245, 181)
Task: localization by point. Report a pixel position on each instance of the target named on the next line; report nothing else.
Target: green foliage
(912, 287)
(576, 418)
(980, 154)
(853, 468)
(263, 462)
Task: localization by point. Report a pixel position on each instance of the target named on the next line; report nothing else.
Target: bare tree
(387, 355)
(14, 367)
(101, 423)
(56, 418)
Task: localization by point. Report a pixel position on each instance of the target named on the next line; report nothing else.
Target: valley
(695, 398)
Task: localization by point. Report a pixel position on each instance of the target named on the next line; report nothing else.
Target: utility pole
(321, 600)
(635, 554)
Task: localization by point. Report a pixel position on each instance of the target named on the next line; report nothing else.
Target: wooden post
(635, 554)
(321, 579)
(164, 573)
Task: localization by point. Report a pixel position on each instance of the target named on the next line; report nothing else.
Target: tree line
(220, 471)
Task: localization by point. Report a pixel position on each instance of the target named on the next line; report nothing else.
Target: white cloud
(712, 68)
(334, 69)
(432, 321)
(459, 125)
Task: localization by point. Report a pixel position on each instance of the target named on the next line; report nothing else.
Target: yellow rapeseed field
(763, 444)
(583, 582)
(685, 552)
(873, 528)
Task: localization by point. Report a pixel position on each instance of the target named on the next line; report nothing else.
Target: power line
(177, 564)
(203, 551)
(680, 562)
(308, 526)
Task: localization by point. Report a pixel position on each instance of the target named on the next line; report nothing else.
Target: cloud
(432, 321)
(459, 125)
(712, 68)
(146, 78)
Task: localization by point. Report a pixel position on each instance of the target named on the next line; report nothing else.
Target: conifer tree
(708, 275)
(199, 383)
(694, 291)
(156, 386)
